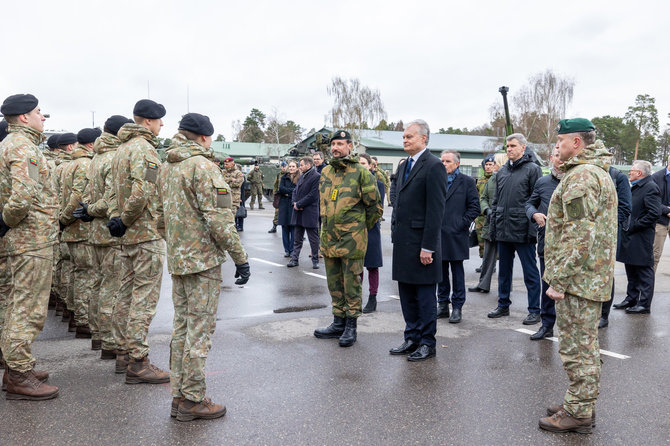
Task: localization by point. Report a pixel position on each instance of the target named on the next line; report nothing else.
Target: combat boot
(349, 336)
(41, 375)
(72, 325)
(174, 408)
(371, 306)
(273, 230)
(562, 421)
(26, 386)
(556, 407)
(2, 360)
(206, 409)
(334, 330)
(122, 360)
(96, 344)
(83, 332)
(66, 314)
(142, 371)
(107, 354)
(52, 301)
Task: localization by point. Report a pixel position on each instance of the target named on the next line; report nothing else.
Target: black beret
(88, 135)
(66, 139)
(18, 104)
(196, 123)
(52, 142)
(341, 134)
(149, 109)
(114, 123)
(3, 129)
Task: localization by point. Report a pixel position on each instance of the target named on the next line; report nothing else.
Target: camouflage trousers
(139, 290)
(26, 308)
(195, 298)
(57, 264)
(5, 289)
(344, 283)
(275, 219)
(479, 225)
(65, 279)
(83, 282)
(577, 322)
(106, 270)
(256, 191)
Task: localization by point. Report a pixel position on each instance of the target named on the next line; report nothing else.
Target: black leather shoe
(422, 353)
(442, 310)
(498, 312)
(405, 348)
(542, 333)
(624, 304)
(532, 319)
(476, 289)
(604, 322)
(478, 269)
(292, 263)
(455, 317)
(638, 309)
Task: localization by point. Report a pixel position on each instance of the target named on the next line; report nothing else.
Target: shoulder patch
(575, 209)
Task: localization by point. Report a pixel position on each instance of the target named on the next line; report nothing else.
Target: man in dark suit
(305, 215)
(662, 180)
(460, 210)
(415, 233)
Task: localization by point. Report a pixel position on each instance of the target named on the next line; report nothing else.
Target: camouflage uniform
(234, 178)
(275, 188)
(199, 231)
(64, 267)
(481, 220)
(350, 205)
(580, 250)
(75, 234)
(383, 176)
(53, 160)
(106, 249)
(135, 200)
(255, 177)
(29, 208)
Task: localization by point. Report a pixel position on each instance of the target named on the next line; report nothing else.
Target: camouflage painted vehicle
(269, 169)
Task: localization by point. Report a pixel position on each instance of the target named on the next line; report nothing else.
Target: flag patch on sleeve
(33, 161)
(221, 191)
(152, 165)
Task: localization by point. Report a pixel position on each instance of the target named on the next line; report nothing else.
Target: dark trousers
(531, 276)
(458, 280)
(548, 308)
(299, 238)
(420, 312)
(640, 284)
(607, 306)
(488, 265)
(373, 280)
(287, 238)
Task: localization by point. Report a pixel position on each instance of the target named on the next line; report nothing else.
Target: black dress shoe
(542, 333)
(638, 309)
(292, 263)
(604, 322)
(455, 317)
(405, 348)
(476, 289)
(498, 312)
(442, 310)
(422, 353)
(625, 304)
(532, 319)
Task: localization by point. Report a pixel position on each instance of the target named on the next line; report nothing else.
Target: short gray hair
(457, 156)
(423, 128)
(643, 166)
(519, 137)
(588, 137)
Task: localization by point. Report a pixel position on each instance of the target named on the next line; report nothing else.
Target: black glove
(82, 213)
(242, 271)
(4, 228)
(116, 227)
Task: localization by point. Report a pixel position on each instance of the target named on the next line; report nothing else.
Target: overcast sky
(442, 61)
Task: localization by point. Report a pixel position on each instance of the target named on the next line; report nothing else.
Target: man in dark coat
(513, 231)
(306, 212)
(662, 180)
(637, 240)
(460, 210)
(415, 233)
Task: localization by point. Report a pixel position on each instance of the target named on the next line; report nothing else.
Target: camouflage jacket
(481, 182)
(255, 176)
(53, 158)
(235, 178)
(350, 205)
(199, 220)
(383, 176)
(134, 196)
(27, 197)
(73, 188)
(581, 231)
(100, 189)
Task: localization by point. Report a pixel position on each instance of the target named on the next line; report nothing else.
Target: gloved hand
(116, 227)
(242, 271)
(4, 228)
(82, 213)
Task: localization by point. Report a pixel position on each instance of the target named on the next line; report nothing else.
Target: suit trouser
(662, 231)
(640, 287)
(458, 277)
(548, 306)
(488, 265)
(419, 311)
(299, 238)
(344, 283)
(531, 276)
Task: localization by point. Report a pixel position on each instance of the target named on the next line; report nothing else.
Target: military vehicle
(269, 169)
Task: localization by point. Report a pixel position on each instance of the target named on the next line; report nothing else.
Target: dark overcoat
(417, 220)
(637, 239)
(660, 178)
(373, 255)
(460, 210)
(285, 191)
(306, 197)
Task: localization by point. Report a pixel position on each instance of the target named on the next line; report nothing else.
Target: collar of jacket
(182, 148)
(641, 182)
(80, 152)
(596, 154)
(344, 162)
(525, 158)
(106, 143)
(130, 131)
(33, 135)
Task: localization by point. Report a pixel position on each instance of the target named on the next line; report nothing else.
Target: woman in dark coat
(373, 255)
(286, 185)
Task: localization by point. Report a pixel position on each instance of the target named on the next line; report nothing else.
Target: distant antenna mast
(93, 117)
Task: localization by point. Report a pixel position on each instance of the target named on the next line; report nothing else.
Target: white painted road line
(265, 261)
(554, 339)
(315, 275)
(394, 296)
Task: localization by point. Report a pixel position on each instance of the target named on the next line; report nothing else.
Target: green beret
(341, 134)
(575, 125)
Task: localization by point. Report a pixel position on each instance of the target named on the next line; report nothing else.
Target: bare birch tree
(355, 106)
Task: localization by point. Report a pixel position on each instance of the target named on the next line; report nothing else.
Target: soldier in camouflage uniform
(275, 188)
(350, 206)
(5, 272)
(66, 143)
(234, 178)
(382, 176)
(52, 155)
(136, 215)
(199, 227)
(487, 165)
(255, 177)
(28, 225)
(580, 248)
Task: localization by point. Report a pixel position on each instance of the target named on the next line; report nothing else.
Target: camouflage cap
(196, 123)
(67, 139)
(3, 129)
(52, 142)
(574, 125)
(86, 136)
(115, 122)
(18, 104)
(341, 134)
(149, 109)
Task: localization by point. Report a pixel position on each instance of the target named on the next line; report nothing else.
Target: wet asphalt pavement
(488, 385)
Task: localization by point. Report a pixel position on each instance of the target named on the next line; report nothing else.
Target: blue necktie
(407, 169)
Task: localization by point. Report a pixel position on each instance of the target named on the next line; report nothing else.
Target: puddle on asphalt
(297, 309)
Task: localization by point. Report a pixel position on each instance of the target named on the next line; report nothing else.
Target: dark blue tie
(407, 169)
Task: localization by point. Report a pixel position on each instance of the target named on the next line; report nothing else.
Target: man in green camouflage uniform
(136, 215)
(66, 143)
(487, 164)
(199, 229)
(382, 176)
(234, 178)
(580, 250)
(28, 225)
(255, 177)
(5, 272)
(275, 188)
(350, 206)
(51, 153)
